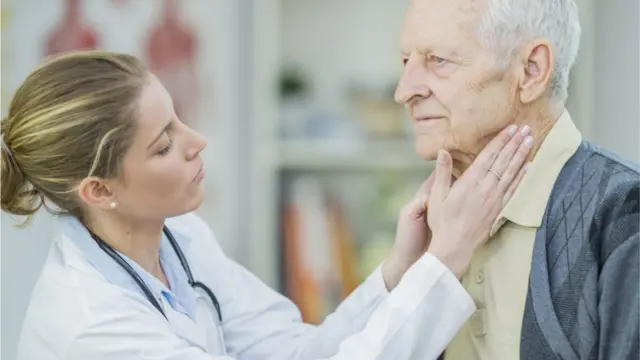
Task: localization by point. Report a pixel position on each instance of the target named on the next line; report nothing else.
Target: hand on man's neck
(539, 117)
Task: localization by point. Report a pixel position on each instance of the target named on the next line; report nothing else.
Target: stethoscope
(149, 295)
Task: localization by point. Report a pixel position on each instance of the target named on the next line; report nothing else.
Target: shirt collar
(529, 201)
(181, 296)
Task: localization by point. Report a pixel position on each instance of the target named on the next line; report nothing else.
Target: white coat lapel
(194, 333)
(206, 332)
(208, 318)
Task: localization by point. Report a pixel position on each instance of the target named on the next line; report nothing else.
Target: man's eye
(405, 60)
(438, 60)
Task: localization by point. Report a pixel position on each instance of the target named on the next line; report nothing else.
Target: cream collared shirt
(499, 273)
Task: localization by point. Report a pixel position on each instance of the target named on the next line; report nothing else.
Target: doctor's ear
(95, 192)
(535, 71)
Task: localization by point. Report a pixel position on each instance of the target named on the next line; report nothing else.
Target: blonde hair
(73, 117)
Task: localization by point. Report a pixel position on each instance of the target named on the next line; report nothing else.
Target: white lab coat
(76, 314)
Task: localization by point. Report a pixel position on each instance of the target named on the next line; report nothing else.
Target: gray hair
(507, 25)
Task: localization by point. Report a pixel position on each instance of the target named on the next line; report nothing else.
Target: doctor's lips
(199, 176)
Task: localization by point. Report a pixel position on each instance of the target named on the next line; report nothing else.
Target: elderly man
(559, 277)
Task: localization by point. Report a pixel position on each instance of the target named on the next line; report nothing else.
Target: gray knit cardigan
(584, 288)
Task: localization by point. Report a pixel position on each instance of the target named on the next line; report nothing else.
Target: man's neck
(539, 118)
(139, 240)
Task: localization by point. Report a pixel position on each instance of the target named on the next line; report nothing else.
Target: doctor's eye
(405, 60)
(164, 151)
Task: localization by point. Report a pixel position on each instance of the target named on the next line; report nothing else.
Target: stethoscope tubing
(145, 289)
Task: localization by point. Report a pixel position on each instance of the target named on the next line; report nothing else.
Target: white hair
(507, 25)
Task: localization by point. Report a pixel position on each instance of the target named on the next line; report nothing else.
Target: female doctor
(134, 274)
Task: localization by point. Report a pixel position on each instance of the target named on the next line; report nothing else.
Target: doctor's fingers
(416, 207)
(488, 156)
(442, 180)
(508, 163)
(514, 185)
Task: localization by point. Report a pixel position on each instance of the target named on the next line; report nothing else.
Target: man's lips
(427, 117)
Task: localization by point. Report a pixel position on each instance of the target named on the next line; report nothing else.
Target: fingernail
(512, 130)
(441, 158)
(528, 141)
(525, 130)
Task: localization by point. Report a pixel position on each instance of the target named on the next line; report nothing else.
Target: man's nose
(413, 82)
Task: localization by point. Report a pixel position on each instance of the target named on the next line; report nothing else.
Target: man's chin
(426, 152)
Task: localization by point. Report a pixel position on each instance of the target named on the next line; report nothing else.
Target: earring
(113, 205)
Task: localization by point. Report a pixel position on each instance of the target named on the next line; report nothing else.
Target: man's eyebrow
(439, 49)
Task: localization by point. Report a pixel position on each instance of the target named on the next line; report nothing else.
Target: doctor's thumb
(442, 182)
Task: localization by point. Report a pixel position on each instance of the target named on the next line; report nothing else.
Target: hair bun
(19, 197)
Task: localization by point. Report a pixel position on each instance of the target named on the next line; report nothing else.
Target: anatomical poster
(171, 53)
(71, 32)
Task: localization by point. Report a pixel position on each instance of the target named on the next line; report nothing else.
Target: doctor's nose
(197, 144)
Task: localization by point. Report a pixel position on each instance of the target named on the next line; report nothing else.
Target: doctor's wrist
(393, 269)
(457, 260)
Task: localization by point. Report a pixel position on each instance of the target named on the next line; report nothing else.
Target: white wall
(617, 77)
(21, 257)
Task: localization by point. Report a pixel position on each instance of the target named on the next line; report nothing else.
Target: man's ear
(96, 193)
(536, 70)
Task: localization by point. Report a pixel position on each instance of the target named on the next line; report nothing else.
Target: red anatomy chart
(71, 33)
(171, 55)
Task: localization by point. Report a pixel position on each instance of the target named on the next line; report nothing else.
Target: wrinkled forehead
(441, 23)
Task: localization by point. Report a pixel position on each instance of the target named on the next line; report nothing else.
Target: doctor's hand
(461, 215)
(412, 236)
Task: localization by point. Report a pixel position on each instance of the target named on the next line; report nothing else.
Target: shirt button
(480, 277)
(478, 320)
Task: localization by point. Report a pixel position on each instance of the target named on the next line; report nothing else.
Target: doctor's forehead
(436, 23)
(155, 104)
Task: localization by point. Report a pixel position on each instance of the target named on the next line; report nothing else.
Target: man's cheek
(475, 87)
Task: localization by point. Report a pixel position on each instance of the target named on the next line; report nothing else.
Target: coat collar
(181, 296)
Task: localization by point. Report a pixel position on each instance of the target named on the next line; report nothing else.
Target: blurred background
(309, 159)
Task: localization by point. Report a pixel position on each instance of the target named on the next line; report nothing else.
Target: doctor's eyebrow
(159, 135)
